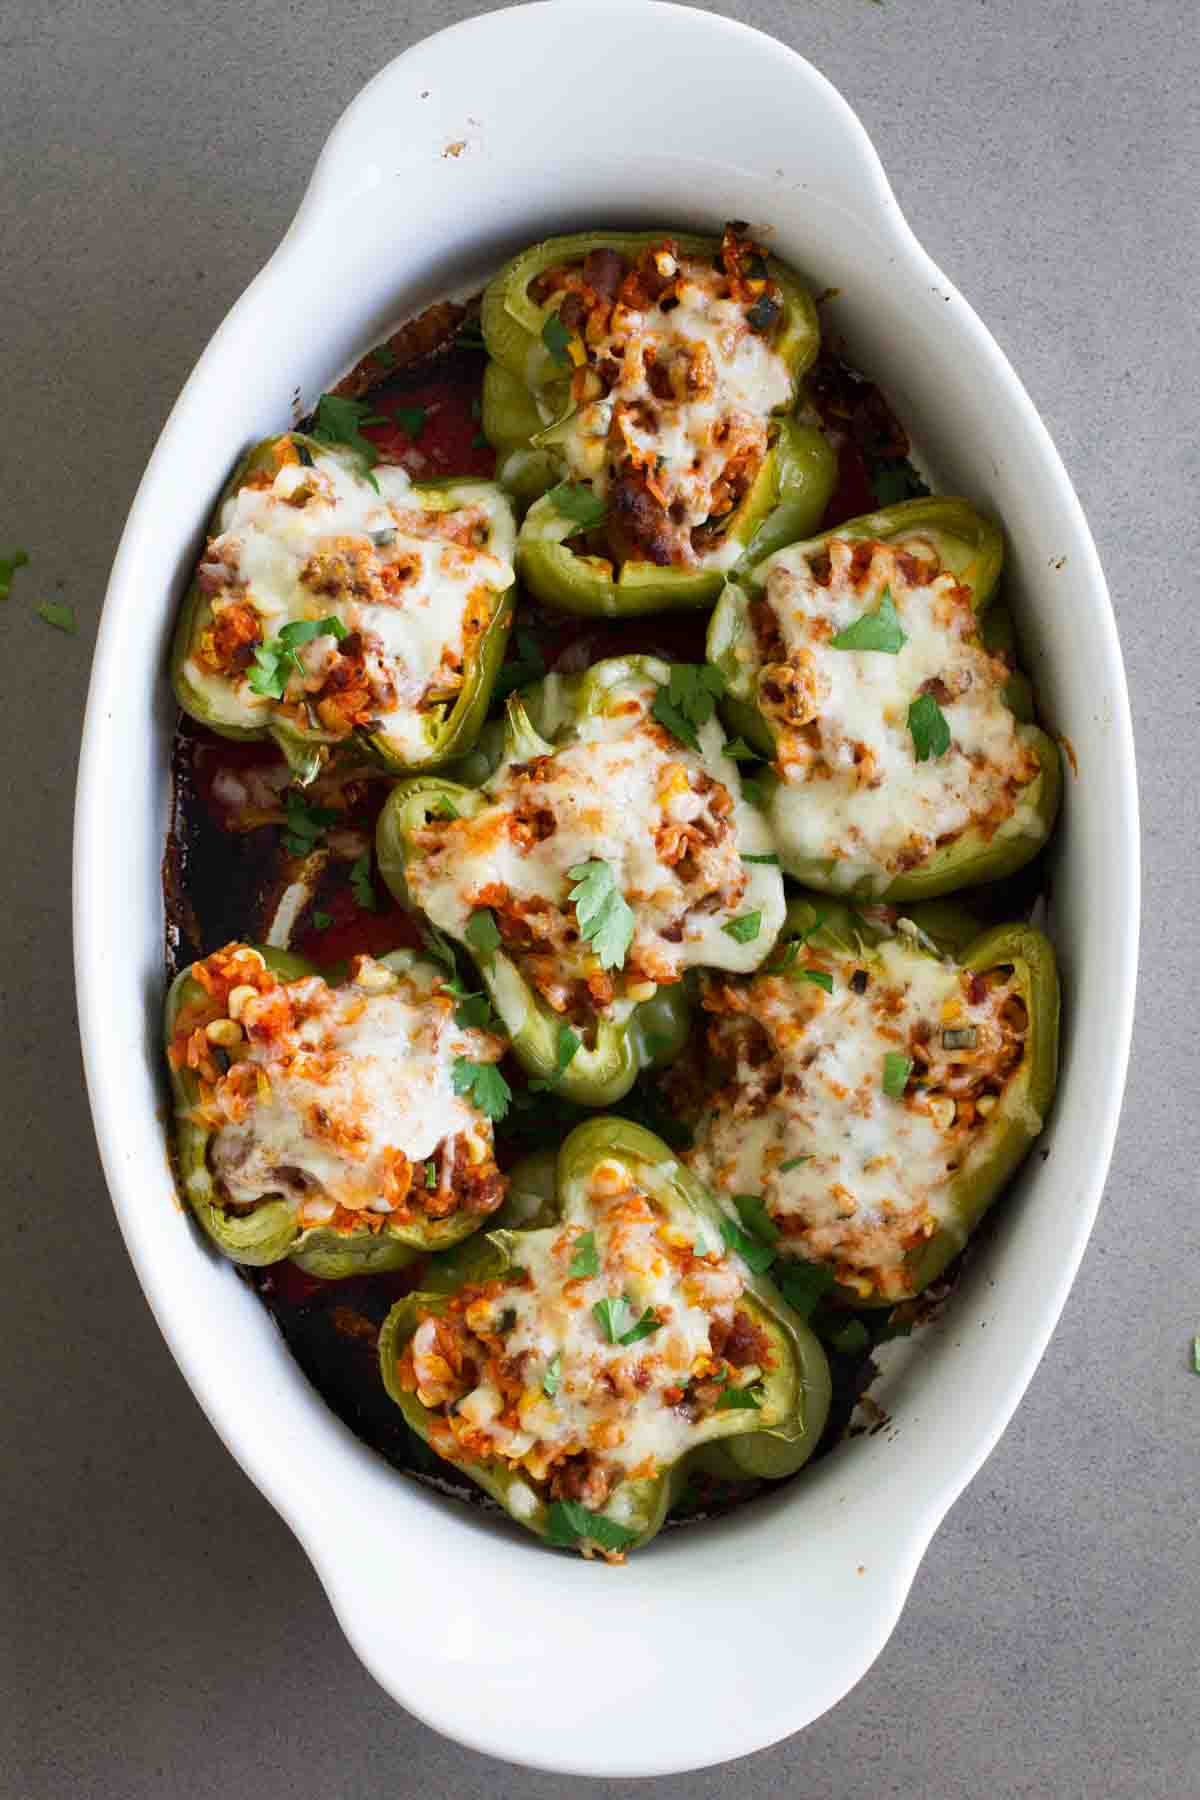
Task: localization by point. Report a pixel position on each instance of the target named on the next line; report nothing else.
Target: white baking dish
(467, 147)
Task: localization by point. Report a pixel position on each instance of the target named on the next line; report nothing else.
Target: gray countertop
(162, 1633)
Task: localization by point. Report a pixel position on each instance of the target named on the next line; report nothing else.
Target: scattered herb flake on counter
(360, 882)
(929, 729)
(745, 929)
(9, 564)
(482, 932)
(879, 630)
(586, 1260)
(576, 501)
(485, 1084)
(896, 1070)
(689, 700)
(605, 918)
(58, 614)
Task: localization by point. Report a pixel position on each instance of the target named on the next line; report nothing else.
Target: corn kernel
(224, 1032)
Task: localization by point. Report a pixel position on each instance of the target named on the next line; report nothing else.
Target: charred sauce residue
(226, 866)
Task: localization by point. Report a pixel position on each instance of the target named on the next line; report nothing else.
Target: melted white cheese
(361, 1076)
(612, 788)
(267, 537)
(860, 797)
(866, 1169)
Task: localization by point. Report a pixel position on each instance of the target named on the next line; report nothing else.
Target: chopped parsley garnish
(740, 1398)
(586, 1260)
(15, 559)
(878, 630)
(474, 1012)
(745, 929)
(482, 933)
(755, 1255)
(565, 1048)
(929, 728)
(793, 1162)
(552, 1375)
(741, 751)
(410, 419)
(557, 339)
(849, 1338)
(576, 501)
(275, 660)
(689, 700)
(753, 792)
(527, 665)
(605, 917)
(485, 1084)
(438, 947)
(340, 420)
(568, 1523)
(306, 825)
(322, 920)
(443, 807)
(770, 859)
(431, 1175)
(58, 614)
(756, 1219)
(893, 478)
(802, 1284)
(818, 977)
(896, 1070)
(619, 1324)
(360, 884)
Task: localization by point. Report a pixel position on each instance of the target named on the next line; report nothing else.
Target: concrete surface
(162, 1633)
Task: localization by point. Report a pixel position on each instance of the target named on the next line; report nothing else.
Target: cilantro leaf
(322, 920)
(431, 1175)
(485, 1084)
(929, 728)
(893, 479)
(745, 929)
(410, 419)
(565, 1049)
(586, 1260)
(613, 1317)
(482, 932)
(818, 977)
(443, 807)
(878, 630)
(306, 825)
(752, 791)
(648, 1323)
(438, 947)
(769, 859)
(275, 660)
(557, 338)
(58, 614)
(360, 882)
(896, 1071)
(576, 501)
(474, 1013)
(756, 1219)
(605, 918)
(849, 1338)
(16, 559)
(527, 665)
(756, 1256)
(1196, 1356)
(689, 700)
(568, 1523)
(732, 1398)
(793, 1162)
(339, 420)
(802, 1284)
(740, 751)
(552, 1375)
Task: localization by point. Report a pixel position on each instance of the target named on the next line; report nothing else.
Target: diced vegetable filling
(892, 732)
(849, 1111)
(674, 381)
(611, 865)
(598, 1360)
(340, 603)
(342, 1099)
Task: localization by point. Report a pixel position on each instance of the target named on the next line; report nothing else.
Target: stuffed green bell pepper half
(346, 1126)
(608, 854)
(336, 603)
(872, 1089)
(578, 1360)
(646, 380)
(871, 667)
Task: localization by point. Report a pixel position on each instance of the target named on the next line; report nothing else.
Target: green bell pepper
(970, 548)
(449, 727)
(765, 1422)
(271, 1230)
(834, 937)
(646, 1034)
(527, 405)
